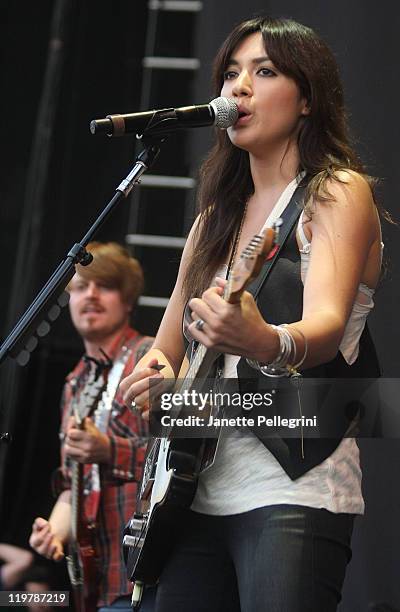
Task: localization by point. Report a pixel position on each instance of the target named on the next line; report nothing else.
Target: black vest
(280, 300)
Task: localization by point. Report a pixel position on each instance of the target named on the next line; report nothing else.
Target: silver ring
(199, 324)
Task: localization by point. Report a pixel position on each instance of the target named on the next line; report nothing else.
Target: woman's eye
(229, 74)
(266, 72)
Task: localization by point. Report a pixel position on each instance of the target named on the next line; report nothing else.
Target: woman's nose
(243, 85)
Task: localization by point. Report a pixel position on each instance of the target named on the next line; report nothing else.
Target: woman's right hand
(44, 542)
(145, 385)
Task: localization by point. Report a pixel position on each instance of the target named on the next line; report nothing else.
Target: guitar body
(149, 536)
(173, 465)
(84, 558)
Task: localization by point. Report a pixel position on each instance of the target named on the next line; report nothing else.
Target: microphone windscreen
(226, 112)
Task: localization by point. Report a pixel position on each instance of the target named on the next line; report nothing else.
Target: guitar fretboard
(81, 408)
(248, 254)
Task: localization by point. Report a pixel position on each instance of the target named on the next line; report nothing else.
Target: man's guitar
(173, 465)
(82, 558)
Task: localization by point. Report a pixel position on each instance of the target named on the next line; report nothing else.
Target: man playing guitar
(109, 444)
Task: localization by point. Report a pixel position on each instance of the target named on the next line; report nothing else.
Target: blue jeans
(279, 558)
(122, 604)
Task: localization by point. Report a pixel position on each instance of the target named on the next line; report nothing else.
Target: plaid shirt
(127, 434)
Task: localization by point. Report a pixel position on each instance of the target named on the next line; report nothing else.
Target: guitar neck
(199, 367)
(243, 272)
(82, 408)
(204, 357)
(76, 499)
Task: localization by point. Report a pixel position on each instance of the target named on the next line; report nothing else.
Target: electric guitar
(172, 465)
(82, 559)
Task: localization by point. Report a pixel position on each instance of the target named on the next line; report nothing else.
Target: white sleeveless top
(245, 475)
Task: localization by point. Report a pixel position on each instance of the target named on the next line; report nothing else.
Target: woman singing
(271, 522)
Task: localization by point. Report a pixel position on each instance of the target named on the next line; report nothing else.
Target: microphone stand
(46, 307)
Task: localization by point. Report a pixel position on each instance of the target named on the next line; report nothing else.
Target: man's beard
(98, 335)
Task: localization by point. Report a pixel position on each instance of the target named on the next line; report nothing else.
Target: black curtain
(100, 73)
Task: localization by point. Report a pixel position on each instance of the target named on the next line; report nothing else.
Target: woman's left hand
(238, 329)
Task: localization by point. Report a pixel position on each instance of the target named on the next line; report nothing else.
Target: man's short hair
(113, 266)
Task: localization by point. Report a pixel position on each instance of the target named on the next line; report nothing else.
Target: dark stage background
(64, 62)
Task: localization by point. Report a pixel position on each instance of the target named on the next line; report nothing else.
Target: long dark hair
(323, 141)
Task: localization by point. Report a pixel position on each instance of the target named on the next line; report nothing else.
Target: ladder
(161, 208)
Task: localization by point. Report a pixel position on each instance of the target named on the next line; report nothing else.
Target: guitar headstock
(89, 396)
(250, 262)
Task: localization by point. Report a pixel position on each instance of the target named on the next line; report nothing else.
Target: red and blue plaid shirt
(127, 433)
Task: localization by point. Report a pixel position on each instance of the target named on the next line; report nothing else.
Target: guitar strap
(289, 219)
(101, 420)
(92, 481)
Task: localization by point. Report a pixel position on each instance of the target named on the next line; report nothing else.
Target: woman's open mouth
(244, 117)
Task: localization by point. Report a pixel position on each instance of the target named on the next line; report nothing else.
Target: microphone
(221, 112)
